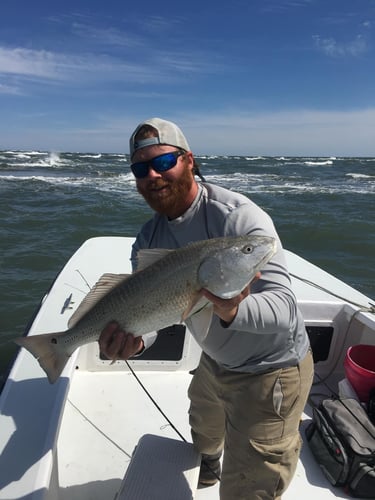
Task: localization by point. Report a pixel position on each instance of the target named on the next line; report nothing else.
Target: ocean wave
(32, 159)
(108, 172)
(109, 183)
(265, 182)
(28, 153)
(277, 184)
(41, 178)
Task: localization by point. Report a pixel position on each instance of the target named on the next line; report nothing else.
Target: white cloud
(106, 36)
(333, 48)
(285, 5)
(45, 65)
(20, 61)
(51, 67)
(10, 89)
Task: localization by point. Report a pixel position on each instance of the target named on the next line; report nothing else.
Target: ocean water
(50, 203)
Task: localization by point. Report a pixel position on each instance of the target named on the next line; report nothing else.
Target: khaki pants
(254, 418)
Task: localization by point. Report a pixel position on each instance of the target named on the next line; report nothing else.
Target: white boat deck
(75, 439)
(107, 429)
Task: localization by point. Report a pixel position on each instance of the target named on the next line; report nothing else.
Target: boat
(120, 430)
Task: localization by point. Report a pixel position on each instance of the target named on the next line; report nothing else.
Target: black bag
(342, 440)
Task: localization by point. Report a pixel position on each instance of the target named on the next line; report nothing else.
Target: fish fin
(147, 256)
(106, 283)
(200, 322)
(197, 303)
(46, 349)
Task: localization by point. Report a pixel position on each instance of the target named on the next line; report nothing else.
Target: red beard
(168, 197)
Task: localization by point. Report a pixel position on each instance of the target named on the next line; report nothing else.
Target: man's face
(171, 192)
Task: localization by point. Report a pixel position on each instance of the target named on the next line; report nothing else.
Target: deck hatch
(320, 340)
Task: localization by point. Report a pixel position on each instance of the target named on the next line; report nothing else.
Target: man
(255, 372)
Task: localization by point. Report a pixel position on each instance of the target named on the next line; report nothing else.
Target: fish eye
(247, 249)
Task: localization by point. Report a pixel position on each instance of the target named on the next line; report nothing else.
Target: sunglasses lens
(161, 163)
(164, 162)
(139, 170)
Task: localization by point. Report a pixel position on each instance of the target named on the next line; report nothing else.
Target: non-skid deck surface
(161, 468)
(106, 416)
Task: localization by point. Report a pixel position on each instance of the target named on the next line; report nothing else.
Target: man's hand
(115, 344)
(227, 309)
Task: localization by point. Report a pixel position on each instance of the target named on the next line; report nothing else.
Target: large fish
(166, 289)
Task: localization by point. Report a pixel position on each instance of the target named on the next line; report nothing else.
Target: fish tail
(48, 351)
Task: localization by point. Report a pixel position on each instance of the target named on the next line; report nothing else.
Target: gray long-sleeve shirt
(268, 331)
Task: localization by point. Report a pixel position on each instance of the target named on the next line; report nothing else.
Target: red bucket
(359, 367)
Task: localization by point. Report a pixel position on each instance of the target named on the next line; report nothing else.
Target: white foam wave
(359, 176)
(28, 153)
(54, 159)
(99, 155)
(209, 157)
(22, 156)
(318, 163)
(36, 153)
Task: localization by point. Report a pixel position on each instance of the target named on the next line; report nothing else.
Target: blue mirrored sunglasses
(160, 163)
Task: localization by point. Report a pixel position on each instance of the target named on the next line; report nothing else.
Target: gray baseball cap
(168, 134)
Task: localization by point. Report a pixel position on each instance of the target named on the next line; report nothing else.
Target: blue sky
(253, 77)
